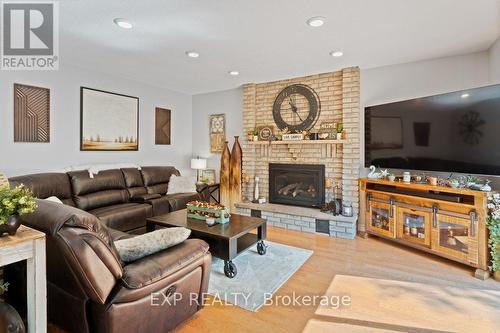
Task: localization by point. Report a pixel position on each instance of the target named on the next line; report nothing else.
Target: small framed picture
(208, 176)
(265, 132)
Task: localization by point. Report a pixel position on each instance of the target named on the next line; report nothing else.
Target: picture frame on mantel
(108, 121)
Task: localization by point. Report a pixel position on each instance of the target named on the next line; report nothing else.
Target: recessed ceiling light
(234, 73)
(316, 21)
(192, 54)
(123, 23)
(336, 54)
(465, 95)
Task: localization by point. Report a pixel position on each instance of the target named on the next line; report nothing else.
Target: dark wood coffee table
(226, 240)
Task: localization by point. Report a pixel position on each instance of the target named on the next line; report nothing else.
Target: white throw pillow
(54, 199)
(179, 184)
(131, 249)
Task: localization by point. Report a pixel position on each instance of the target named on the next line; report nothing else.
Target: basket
(196, 210)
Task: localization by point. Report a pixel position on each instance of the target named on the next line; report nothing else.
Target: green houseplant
(494, 228)
(340, 128)
(14, 203)
(255, 134)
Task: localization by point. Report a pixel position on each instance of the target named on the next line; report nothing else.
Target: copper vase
(225, 161)
(235, 174)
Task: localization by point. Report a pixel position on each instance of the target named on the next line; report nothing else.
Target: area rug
(411, 307)
(258, 278)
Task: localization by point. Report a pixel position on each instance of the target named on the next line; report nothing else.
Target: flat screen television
(454, 132)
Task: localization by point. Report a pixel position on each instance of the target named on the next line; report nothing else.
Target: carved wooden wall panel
(162, 126)
(31, 114)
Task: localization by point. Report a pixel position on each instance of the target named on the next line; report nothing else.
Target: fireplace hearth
(297, 184)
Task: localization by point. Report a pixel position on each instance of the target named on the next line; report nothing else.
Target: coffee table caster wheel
(230, 269)
(261, 248)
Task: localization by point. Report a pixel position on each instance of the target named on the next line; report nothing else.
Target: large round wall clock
(296, 108)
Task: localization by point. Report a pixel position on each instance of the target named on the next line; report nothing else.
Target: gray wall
(229, 102)
(64, 146)
(495, 62)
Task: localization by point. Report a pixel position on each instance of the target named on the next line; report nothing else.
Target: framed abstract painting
(109, 121)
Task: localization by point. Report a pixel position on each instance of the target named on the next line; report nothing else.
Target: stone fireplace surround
(339, 96)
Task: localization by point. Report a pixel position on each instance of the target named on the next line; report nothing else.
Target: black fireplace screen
(297, 184)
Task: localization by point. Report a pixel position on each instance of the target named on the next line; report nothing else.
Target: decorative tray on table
(201, 210)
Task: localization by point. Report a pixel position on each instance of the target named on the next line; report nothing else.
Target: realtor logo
(30, 35)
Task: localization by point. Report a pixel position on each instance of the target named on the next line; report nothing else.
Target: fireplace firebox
(297, 184)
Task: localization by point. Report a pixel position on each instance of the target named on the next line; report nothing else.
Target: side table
(29, 244)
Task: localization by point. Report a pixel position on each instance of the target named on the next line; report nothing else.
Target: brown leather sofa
(121, 198)
(89, 288)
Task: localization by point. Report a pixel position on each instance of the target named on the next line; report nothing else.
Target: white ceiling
(265, 39)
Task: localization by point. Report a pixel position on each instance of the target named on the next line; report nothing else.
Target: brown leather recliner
(91, 290)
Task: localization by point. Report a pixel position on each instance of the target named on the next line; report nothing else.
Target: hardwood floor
(372, 257)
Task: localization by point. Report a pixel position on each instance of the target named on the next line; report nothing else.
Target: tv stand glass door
(414, 225)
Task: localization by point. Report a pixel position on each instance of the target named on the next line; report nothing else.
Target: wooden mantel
(298, 142)
(328, 147)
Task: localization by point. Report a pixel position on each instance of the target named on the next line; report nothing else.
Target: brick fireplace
(339, 96)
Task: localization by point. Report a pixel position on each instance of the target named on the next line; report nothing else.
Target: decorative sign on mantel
(293, 137)
(328, 126)
(265, 132)
(327, 130)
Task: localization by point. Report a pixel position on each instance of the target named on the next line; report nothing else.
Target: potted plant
(454, 183)
(10, 320)
(391, 177)
(14, 203)
(340, 128)
(494, 228)
(250, 135)
(255, 134)
(470, 181)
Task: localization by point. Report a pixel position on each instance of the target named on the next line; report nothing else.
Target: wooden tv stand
(444, 221)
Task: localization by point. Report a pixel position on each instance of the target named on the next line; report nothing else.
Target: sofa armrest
(149, 274)
(178, 201)
(145, 198)
(159, 265)
(93, 263)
